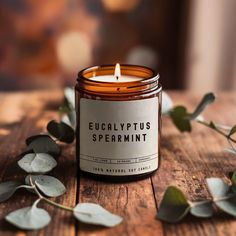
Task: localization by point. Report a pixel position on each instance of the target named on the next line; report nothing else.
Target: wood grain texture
(187, 159)
(29, 114)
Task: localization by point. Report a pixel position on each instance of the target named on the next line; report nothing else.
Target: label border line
(118, 163)
(119, 159)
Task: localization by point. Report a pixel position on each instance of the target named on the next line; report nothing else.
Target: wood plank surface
(23, 115)
(187, 159)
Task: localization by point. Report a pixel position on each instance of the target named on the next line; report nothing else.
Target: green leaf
(68, 108)
(48, 185)
(174, 206)
(217, 187)
(72, 118)
(228, 205)
(233, 178)
(91, 213)
(37, 163)
(29, 217)
(167, 103)
(202, 209)
(206, 100)
(43, 144)
(61, 131)
(233, 188)
(179, 117)
(68, 116)
(7, 189)
(232, 131)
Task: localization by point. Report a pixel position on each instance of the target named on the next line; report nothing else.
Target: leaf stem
(217, 199)
(193, 204)
(57, 204)
(41, 197)
(216, 129)
(25, 186)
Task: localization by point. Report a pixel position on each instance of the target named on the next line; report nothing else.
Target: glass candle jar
(118, 122)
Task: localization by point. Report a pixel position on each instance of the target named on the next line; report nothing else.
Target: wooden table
(187, 159)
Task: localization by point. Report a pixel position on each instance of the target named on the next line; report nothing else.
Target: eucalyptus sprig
(41, 157)
(182, 119)
(175, 205)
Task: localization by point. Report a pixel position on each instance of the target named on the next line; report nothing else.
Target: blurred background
(43, 44)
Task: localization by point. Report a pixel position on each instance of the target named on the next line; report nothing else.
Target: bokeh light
(74, 51)
(120, 5)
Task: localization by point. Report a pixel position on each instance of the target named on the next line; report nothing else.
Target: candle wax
(112, 78)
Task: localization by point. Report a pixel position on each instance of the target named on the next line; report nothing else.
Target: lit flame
(117, 71)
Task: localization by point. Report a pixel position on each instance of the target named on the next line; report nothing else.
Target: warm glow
(120, 5)
(117, 71)
(74, 51)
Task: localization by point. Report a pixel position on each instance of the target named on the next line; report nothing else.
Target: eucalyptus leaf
(37, 163)
(70, 96)
(174, 206)
(91, 213)
(7, 189)
(65, 118)
(233, 178)
(179, 117)
(29, 217)
(68, 114)
(167, 103)
(232, 131)
(68, 106)
(206, 100)
(217, 187)
(72, 118)
(228, 205)
(43, 144)
(61, 131)
(233, 188)
(202, 209)
(48, 185)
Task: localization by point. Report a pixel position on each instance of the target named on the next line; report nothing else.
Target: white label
(119, 137)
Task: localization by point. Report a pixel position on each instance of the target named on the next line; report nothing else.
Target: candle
(116, 78)
(118, 122)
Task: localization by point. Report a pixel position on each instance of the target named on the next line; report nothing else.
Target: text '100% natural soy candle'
(118, 122)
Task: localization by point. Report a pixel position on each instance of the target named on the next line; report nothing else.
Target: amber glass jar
(118, 122)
